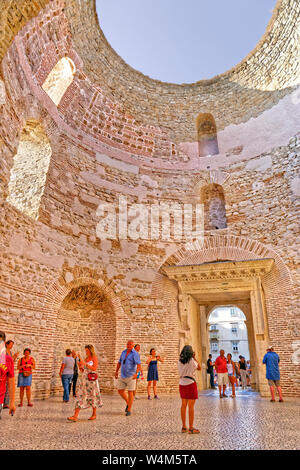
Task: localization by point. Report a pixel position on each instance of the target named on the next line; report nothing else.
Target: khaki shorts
(128, 383)
(274, 382)
(223, 379)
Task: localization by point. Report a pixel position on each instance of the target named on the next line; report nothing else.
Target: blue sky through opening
(182, 41)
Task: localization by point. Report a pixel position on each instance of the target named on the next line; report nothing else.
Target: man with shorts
(130, 365)
(6, 373)
(221, 369)
(271, 359)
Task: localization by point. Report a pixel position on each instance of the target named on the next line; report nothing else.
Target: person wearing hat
(271, 359)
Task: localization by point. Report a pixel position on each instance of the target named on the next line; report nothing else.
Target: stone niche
(86, 317)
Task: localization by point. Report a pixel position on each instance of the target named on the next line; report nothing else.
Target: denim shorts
(24, 381)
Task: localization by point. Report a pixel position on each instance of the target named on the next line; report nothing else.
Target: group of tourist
(228, 372)
(25, 366)
(129, 365)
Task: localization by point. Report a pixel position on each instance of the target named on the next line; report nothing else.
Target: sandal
(194, 431)
(184, 430)
(92, 418)
(20, 404)
(72, 418)
(30, 404)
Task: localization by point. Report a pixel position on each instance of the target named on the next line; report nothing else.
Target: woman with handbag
(25, 367)
(88, 390)
(187, 366)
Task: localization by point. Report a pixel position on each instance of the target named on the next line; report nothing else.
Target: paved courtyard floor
(247, 422)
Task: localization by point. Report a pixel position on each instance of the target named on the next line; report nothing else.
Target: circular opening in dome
(181, 41)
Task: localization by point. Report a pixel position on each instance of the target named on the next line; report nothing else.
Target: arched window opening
(59, 79)
(29, 171)
(207, 135)
(214, 207)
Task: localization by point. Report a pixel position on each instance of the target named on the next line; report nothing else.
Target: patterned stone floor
(247, 422)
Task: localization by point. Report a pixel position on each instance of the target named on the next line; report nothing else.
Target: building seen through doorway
(228, 331)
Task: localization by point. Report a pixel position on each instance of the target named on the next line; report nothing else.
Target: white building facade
(228, 331)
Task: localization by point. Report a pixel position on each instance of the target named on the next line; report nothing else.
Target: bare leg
(130, 400)
(28, 394)
(124, 395)
(220, 390)
(279, 393)
(22, 389)
(183, 411)
(191, 404)
(149, 388)
(75, 415)
(94, 414)
(224, 390)
(154, 388)
(272, 390)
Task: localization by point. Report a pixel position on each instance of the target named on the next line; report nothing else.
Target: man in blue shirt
(130, 365)
(271, 359)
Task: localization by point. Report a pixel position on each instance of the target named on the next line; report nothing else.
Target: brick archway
(104, 329)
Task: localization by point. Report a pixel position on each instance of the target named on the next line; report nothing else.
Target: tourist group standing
(228, 372)
(129, 368)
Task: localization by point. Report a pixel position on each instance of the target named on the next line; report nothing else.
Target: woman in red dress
(187, 366)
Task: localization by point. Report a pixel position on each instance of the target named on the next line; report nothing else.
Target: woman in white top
(187, 366)
(231, 376)
(88, 391)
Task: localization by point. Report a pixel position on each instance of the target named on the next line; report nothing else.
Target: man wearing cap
(271, 359)
(6, 373)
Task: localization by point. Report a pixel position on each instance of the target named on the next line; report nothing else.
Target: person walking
(248, 369)
(152, 375)
(88, 390)
(243, 372)
(9, 345)
(187, 366)
(75, 374)
(271, 360)
(6, 375)
(221, 368)
(140, 374)
(130, 365)
(210, 371)
(66, 374)
(25, 366)
(231, 373)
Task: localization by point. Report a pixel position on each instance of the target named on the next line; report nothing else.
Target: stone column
(260, 337)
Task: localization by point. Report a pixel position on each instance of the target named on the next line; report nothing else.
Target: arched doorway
(204, 287)
(227, 330)
(86, 316)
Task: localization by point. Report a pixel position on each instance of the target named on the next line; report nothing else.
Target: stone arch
(86, 310)
(59, 79)
(29, 171)
(207, 135)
